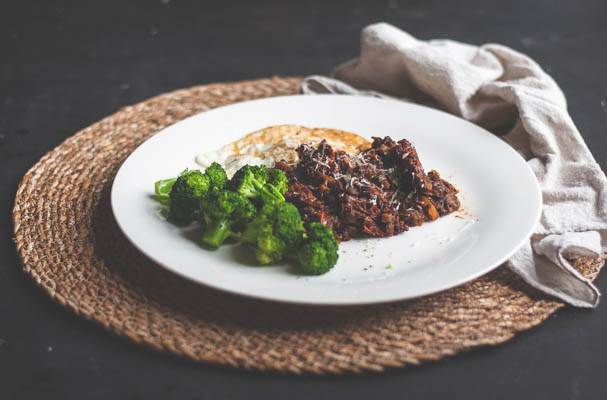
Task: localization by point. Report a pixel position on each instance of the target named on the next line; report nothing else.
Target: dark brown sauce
(379, 192)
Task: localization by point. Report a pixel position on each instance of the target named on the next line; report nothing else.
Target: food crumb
(49, 349)
(389, 266)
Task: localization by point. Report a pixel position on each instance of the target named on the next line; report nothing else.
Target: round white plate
(501, 203)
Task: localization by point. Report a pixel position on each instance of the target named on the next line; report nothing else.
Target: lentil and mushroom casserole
(380, 192)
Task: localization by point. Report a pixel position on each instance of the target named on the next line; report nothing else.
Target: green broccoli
(185, 195)
(261, 172)
(163, 190)
(275, 231)
(218, 176)
(318, 254)
(252, 182)
(225, 213)
(278, 179)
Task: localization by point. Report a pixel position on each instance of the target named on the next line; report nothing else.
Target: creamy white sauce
(233, 162)
(253, 154)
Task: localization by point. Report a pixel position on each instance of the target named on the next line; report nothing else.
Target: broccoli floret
(275, 231)
(163, 190)
(260, 172)
(252, 182)
(185, 195)
(225, 214)
(278, 179)
(318, 254)
(218, 176)
(248, 180)
(321, 233)
(312, 259)
(270, 194)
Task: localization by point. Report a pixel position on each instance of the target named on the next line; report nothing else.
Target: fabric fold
(509, 94)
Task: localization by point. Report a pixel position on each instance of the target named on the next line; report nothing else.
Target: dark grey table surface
(65, 65)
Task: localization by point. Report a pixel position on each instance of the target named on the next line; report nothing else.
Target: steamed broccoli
(318, 254)
(260, 172)
(252, 182)
(225, 214)
(187, 191)
(276, 232)
(163, 190)
(184, 193)
(277, 229)
(278, 179)
(217, 175)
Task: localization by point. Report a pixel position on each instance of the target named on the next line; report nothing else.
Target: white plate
(498, 191)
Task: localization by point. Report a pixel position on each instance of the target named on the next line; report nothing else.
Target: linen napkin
(509, 94)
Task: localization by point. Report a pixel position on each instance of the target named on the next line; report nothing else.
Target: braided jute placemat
(70, 245)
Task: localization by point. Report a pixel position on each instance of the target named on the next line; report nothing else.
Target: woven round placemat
(70, 245)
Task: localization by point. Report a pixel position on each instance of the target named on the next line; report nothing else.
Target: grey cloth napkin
(509, 94)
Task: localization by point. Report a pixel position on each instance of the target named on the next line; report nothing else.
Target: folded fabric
(510, 95)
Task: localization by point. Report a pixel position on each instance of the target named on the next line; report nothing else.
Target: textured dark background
(65, 65)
